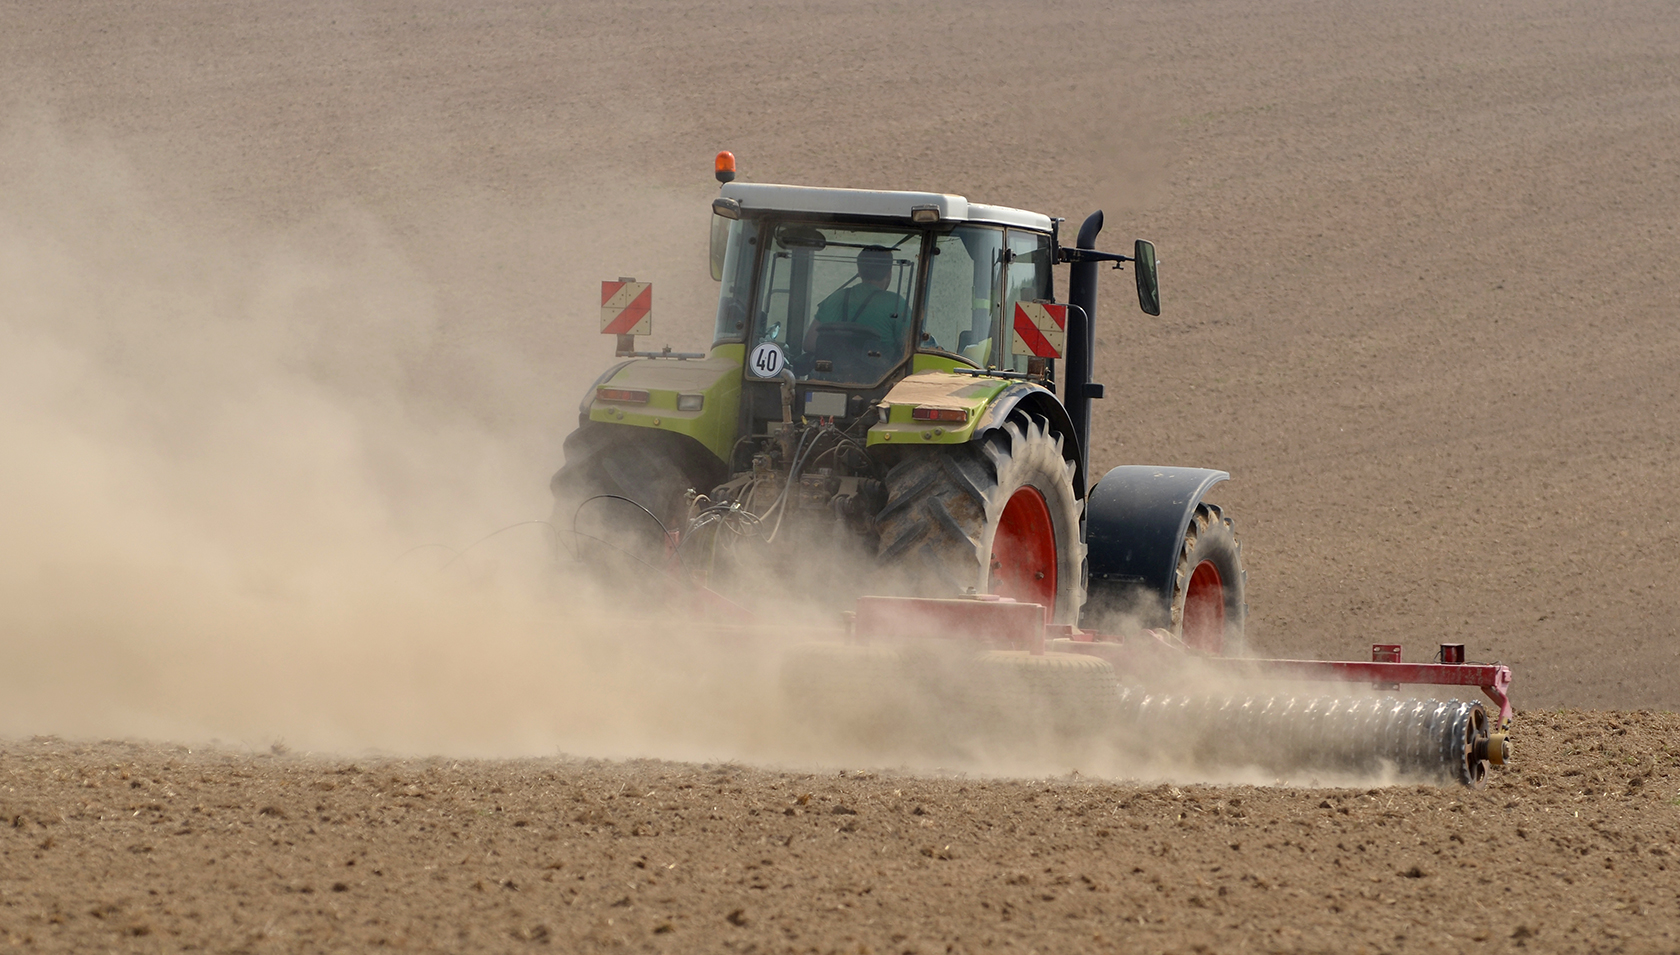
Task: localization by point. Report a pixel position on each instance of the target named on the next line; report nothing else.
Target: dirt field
(159, 848)
(1419, 299)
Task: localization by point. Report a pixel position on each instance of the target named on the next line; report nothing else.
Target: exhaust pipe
(1077, 389)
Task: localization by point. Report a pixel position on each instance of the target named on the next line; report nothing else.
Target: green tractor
(879, 413)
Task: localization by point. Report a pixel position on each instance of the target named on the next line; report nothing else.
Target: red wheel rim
(1204, 610)
(1024, 551)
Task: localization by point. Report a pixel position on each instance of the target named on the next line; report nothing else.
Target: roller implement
(893, 421)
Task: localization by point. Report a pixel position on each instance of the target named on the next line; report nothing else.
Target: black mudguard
(1135, 521)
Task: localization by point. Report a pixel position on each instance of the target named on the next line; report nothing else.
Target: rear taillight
(958, 415)
(625, 395)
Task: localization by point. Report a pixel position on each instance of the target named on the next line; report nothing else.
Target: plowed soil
(146, 847)
(1420, 297)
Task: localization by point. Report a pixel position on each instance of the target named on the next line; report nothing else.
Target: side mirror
(720, 245)
(724, 211)
(1148, 280)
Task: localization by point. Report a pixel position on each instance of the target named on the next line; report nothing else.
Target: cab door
(1026, 277)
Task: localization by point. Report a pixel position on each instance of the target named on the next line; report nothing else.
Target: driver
(868, 303)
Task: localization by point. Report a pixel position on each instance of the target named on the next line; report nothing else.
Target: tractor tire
(1209, 612)
(646, 467)
(994, 516)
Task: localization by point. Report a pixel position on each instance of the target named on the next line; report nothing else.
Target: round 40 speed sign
(766, 360)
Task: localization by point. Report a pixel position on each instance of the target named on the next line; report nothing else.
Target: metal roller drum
(1413, 739)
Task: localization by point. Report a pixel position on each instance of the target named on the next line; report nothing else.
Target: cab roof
(874, 202)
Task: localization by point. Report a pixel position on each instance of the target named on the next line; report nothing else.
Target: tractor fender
(1135, 520)
(1040, 401)
(643, 449)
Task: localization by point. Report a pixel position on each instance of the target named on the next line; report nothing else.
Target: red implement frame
(993, 621)
(1001, 622)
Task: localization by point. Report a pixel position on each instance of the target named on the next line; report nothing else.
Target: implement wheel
(1068, 694)
(1208, 608)
(995, 516)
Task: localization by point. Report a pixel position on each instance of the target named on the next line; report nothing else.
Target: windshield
(834, 301)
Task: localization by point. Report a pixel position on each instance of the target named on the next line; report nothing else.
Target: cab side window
(1026, 278)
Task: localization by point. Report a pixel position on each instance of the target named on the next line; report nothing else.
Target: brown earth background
(306, 285)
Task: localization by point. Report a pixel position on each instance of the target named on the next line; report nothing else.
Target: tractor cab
(845, 292)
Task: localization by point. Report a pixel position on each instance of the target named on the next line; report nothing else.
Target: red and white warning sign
(1040, 329)
(626, 308)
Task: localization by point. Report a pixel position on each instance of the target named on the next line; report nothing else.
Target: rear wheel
(620, 495)
(995, 516)
(1208, 608)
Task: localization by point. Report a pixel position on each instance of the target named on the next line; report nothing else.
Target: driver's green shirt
(886, 313)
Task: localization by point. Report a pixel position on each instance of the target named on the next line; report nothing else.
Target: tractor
(894, 416)
(879, 407)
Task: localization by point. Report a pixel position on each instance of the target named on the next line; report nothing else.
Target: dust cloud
(226, 459)
(253, 497)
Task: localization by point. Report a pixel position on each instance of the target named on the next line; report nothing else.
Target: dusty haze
(289, 292)
(1416, 264)
(224, 445)
(294, 313)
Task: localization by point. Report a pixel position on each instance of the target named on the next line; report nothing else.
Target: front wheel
(995, 516)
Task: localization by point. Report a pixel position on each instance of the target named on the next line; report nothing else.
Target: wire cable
(415, 550)
(462, 552)
(782, 498)
(664, 531)
(793, 476)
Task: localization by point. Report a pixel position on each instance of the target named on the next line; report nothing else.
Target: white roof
(875, 202)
